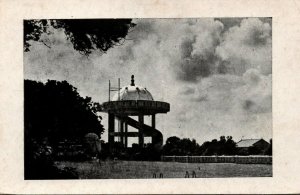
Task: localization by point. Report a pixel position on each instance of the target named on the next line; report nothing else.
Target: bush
(39, 163)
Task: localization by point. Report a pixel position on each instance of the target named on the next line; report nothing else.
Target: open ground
(145, 169)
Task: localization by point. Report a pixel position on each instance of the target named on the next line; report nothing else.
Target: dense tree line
(185, 146)
(223, 146)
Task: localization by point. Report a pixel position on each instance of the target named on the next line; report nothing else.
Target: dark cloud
(187, 91)
(187, 47)
(257, 35)
(196, 66)
(229, 22)
(248, 104)
(258, 107)
(200, 99)
(197, 50)
(223, 67)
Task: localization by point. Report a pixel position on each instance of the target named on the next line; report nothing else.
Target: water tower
(133, 100)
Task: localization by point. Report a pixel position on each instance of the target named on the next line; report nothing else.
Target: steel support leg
(141, 132)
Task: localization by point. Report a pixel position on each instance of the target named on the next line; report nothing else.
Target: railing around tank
(129, 104)
(219, 159)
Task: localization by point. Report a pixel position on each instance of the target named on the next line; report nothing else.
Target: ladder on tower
(110, 88)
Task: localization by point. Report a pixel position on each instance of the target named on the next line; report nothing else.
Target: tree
(85, 34)
(230, 146)
(172, 146)
(54, 112)
(225, 146)
(188, 147)
(173, 140)
(177, 146)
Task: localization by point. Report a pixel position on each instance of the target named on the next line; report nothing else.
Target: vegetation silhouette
(54, 113)
(185, 146)
(86, 35)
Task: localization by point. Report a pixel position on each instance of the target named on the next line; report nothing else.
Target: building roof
(247, 142)
(132, 92)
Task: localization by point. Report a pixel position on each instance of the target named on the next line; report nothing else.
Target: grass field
(144, 169)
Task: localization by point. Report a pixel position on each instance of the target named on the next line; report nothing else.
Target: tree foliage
(177, 146)
(85, 34)
(225, 146)
(182, 147)
(56, 110)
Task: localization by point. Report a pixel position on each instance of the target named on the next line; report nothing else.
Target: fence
(219, 159)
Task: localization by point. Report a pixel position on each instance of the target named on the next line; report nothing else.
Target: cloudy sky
(215, 73)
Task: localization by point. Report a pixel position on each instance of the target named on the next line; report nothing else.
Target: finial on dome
(132, 80)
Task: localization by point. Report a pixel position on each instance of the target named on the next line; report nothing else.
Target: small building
(252, 146)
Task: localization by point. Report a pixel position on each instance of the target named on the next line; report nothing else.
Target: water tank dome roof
(132, 92)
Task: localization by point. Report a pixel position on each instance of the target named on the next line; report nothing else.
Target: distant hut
(252, 146)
